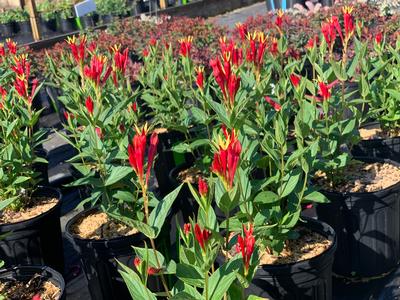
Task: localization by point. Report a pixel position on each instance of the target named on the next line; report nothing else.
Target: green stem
(206, 285)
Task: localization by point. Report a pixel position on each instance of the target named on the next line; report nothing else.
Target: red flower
(136, 152)
(36, 297)
(12, 46)
(187, 228)
(295, 80)
(95, 70)
(274, 105)
(279, 18)
(99, 132)
(325, 90)
(89, 105)
(21, 86)
(200, 77)
(245, 245)
(134, 107)
(120, 63)
(226, 160)
(22, 66)
(203, 188)
(348, 21)
(230, 52)
(137, 261)
(185, 46)
(312, 42)
(150, 270)
(78, 50)
(145, 52)
(329, 32)
(256, 49)
(2, 50)
(274, 47)
(152, 41)
(228, 82)
(242, 29)
(378, 38)
(202, 236)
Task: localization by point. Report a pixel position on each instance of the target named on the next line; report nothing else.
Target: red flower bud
(99, 133)
(187, 228)
(200, 77)
(145, 52)
(245, 245)
(379, 38)
(274, 105)
(295, 80)
(203, 188)
(12, 46)
(89, 105)
(185, 46)
(202, 236)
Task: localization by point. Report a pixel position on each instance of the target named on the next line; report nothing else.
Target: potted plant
(32, 212)
(110, 9)
(352, 184)
(22, 23)
(65, 10)
(101, 118)
(48, 17)
(7, 23)
(381, 138)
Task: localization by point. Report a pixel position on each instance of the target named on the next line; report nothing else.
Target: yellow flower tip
(347, 9)
(222, 39)
(71, 40)
(116, 48)
(199, 69)
(280, 13)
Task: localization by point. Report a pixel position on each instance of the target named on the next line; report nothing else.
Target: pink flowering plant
(19, 138)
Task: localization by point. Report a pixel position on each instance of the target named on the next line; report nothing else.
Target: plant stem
(206, 285)
(227, 232)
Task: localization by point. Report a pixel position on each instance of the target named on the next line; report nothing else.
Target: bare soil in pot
(360, 177)
(35, 207)
(374, 131)
(98, 225)
(22, 290)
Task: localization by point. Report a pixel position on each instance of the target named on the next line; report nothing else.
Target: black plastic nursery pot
(68, 25)
(167, 159)
(7, 30)
(107, 19)
(23, 28)
(86, 22)
(307, 279)
(25, 273)
(48, 27)
(36, 241)
(388, 148)
(367, 227)
(98, 259)
(184, 203)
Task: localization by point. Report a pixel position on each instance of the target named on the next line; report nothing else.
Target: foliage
(64, 9)
(113, 7)
(47, 10)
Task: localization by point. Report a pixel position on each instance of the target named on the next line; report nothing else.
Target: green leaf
(118, 173)
(7, 202)
(135, 286)
(184, 296)
(142, 227)
(144, 253)
(160, 212)
(221, 279)
(316, 197)
(290, 182)
(266, 197)
(190, 274)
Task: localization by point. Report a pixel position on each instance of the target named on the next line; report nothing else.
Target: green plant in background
(20, 15)
(47, 10)
(112, 7)
(6, 17)
(19, 141)
(65, 9)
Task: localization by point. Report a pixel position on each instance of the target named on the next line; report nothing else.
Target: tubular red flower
(145, 52)
(187, 228)
(153, 42)
(245, 245)
(89, 105)
(202, 236)
(242, 30)
(95, 70)
(2, 50)
(274, 47)
(137, 261)
(274, 105)
(200, 77)
(99, 133)
(12, 46)
(152, 154)
(279, 18)
(256, 50)
(185, 45)
(21, 86)
(378, 38)
(120, 59)
(295, 79)
(329, 31)
(78, 50)
(348, 21)
(226, 159)
(203, 188)
(22, 66)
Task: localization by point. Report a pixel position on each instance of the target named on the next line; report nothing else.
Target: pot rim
(379, 192)
(70, 235)
(54, 274)
(42, 215)
(328, 232)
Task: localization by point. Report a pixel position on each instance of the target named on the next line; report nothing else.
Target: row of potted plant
(263, 134)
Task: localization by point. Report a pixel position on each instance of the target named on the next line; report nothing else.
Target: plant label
(85, 7)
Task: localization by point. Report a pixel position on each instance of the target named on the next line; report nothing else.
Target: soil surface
(375, 132)
(360, 177)
(37, 207)
(308, 245)
(190, 175)
(99, 225)
(17, 290)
